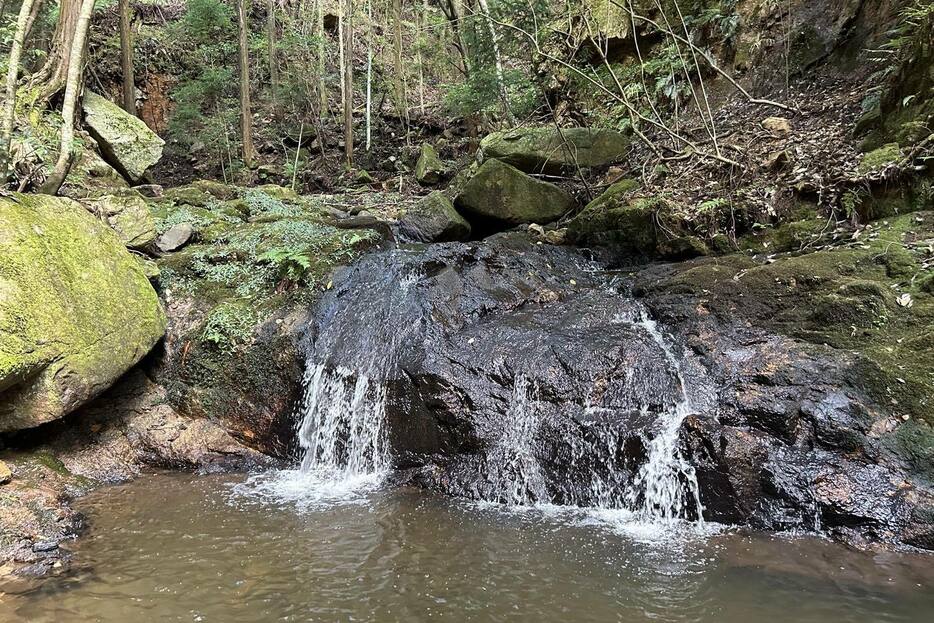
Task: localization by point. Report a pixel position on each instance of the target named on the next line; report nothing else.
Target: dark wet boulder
(538, 150)
(520, 372)
(434, 219)
(500, 196)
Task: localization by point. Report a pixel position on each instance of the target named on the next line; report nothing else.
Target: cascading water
(511, 465)
(667, 482)
(664, 489)
(341, 420)
(424, 342)
(341, 429)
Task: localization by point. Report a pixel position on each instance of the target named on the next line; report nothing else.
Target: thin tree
(66, 154)
(347, 34)
(246, 115)
(271, 44)
(322, 89)
(369, 73)
(398, 69)
(9, 96)
(126, 58)
(498, 60)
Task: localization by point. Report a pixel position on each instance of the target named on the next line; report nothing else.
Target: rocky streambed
(782, 382)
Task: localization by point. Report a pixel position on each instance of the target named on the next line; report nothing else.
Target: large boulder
(429, 169)
(500, 194)
(125, 141)
(647, 227)
(434, 219)
(76, 310)
(128, 214)
(536, 150)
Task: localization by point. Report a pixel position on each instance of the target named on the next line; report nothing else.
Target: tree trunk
(66, 154)
(399, 78)
(246, 114)
(9, 97)
(500, 79)
(126, 58)
(454, 12)
(348, 82)
(51, 77)
(369, 72)
(322, 90)
(271, 44)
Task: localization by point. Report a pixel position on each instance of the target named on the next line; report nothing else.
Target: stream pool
(170, 547)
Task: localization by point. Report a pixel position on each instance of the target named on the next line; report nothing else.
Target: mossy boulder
(76, 310)
(502, 195)
(128, 214)
(125, 141)
(434, 219)
(239, 304)
(634, 226)
(880, 158)
(280, 193)
(536, 150)
(429, 169)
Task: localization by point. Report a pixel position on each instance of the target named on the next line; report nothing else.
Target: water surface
(190, 548)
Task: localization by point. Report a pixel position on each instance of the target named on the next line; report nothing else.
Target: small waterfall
(664, 489)
(342, 432)
(341, 419)
(667, 482)
(512, 466)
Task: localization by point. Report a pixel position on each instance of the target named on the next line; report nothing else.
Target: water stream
(182, 548)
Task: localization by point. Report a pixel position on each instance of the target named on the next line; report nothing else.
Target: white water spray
(512, 466)
(666, 481)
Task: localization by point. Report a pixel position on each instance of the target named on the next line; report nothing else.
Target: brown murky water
(189, 548)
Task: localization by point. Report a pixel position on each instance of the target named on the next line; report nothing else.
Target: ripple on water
(316, 489)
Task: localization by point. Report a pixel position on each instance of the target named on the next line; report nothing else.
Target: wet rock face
(507, 338)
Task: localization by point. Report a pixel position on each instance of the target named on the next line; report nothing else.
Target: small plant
(229, 325)
(290, 264)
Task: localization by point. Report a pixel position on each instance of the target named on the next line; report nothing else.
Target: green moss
(792, 236)
(880, 158)
(76, 309)
(914, 442)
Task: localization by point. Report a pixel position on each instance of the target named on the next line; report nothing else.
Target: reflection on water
(187, 548)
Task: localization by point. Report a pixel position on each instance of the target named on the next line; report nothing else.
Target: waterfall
(667, 482)
(341, 419)
(511, 465)
(664, 489)
(341, 431)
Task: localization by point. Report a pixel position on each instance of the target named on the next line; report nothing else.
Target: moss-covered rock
(536, 150)
(238, 298)
(638, 226)
(867, 297)
(429, 169)
(880, 158)
(128, 214)
(76, 310)
(434, 219)
(500, 194)
(125, 141)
